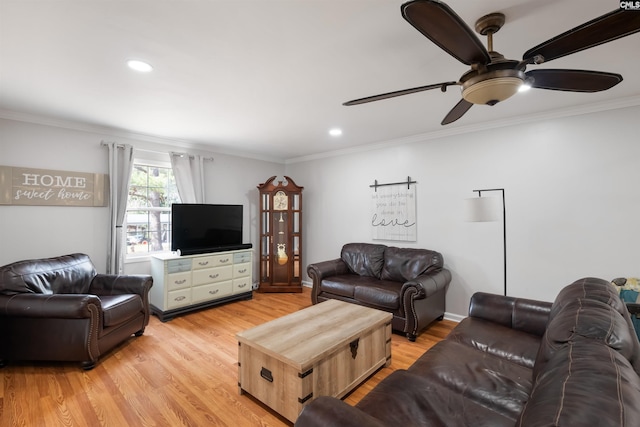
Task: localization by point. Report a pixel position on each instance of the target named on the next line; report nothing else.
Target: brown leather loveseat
(410, 283)
(59, 309)
(513, 362)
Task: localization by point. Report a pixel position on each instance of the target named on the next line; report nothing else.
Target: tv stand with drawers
(182, 284)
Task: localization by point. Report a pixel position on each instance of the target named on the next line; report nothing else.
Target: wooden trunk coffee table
(323, 350)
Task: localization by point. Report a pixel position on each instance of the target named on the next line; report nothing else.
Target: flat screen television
(201, 228)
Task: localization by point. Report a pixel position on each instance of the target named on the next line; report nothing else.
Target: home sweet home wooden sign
(45, 187)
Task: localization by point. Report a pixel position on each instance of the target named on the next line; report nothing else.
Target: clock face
(280, 201)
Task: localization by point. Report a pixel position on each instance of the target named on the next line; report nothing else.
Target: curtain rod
(191, 156)
(106, 143)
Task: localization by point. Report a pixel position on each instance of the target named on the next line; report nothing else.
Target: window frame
(145, 161)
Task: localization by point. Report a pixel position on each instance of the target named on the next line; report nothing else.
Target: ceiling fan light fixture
(492, 87)
(524, 87)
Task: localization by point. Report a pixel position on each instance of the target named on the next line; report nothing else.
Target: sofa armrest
(427, 284)
(320, 270)
(114, 284)
(60, 306)
(526, 315)
(328, 411)
(323, 269)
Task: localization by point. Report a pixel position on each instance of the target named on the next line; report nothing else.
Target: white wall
(572, 202)
(41, 231)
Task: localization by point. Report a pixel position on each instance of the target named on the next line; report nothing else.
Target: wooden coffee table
(324, 350)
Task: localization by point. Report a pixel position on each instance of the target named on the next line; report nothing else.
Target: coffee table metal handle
(354, 347)
(266, 374)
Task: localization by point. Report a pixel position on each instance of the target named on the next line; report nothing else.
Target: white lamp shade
(482, 209)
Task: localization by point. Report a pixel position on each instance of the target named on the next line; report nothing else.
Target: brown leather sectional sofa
(410, 283)
(60, 309)
(513, 362)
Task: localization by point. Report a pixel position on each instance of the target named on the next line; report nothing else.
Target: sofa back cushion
(580, 319)
(404, 264)
(589, 288)
(585, 383)
(67, 274)
(588, 308)
(364, 259)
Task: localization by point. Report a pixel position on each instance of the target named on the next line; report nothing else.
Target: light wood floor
(179, 373)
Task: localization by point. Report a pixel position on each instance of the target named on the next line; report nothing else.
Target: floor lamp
(481, 210)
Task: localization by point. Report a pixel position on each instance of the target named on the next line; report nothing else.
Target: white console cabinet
(191, 282)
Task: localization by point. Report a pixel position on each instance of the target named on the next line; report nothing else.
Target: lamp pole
(504, 230)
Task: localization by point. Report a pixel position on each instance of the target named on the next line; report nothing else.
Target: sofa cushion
(120, 308)
(68, 274)
(497, 340)
(479, 376)
(522, 314)
(406, 399)
(403, 264)
(384, 294)
(585, 383)
(343, 284)
(364, 259)
(586, 318)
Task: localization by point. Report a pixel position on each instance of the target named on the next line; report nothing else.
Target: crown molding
(112, 132)
(632, 101)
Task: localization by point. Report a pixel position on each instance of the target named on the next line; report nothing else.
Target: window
(152, 190)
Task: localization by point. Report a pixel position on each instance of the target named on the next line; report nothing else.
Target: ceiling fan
(493, 78)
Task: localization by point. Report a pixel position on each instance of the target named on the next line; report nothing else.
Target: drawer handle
(224, 261)
(203, 263)
(214, 276)
(213, 292)
(180, 298)
(304, 399)
(244, 270)
(354, 347)
(266, 374)
(242, 286)
(179, 282)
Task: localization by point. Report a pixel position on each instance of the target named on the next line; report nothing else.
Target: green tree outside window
(152, 190)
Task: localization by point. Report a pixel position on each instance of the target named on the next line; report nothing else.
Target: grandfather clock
(280, 236)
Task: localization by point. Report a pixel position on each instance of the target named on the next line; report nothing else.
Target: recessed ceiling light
(335, 132)
(140, 66)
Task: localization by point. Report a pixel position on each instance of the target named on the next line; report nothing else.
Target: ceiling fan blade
(606, 28)
(573, 80)
(440, 24)
(456, 112)
(442, 86)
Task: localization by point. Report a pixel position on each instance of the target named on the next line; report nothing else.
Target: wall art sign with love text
(394, 213)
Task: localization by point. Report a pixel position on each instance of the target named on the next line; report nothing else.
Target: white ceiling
(268, 77)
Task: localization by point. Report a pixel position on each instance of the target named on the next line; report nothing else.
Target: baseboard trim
(453, 317)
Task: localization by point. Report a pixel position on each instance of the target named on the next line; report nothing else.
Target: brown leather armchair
(59, 309)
